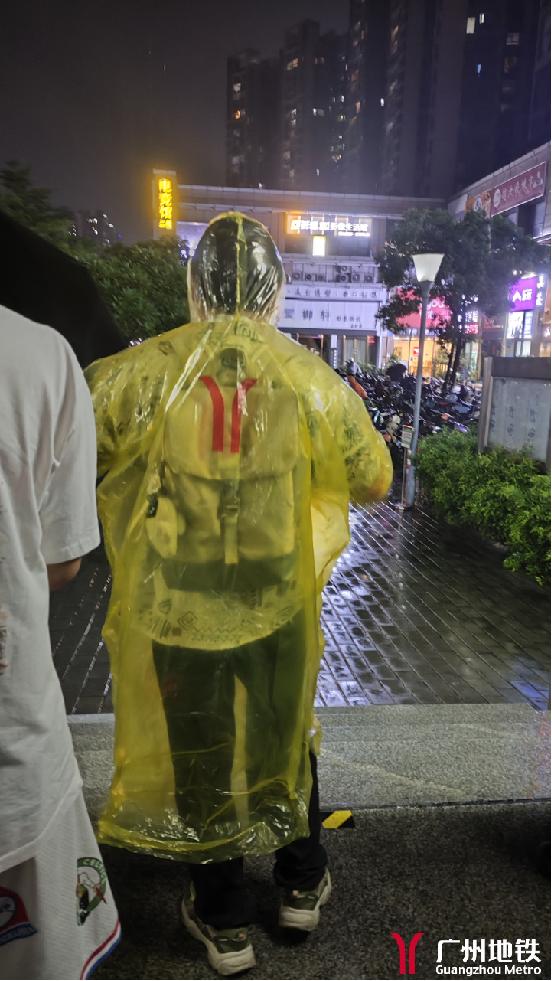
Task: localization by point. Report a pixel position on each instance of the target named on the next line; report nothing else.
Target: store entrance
(363, 350)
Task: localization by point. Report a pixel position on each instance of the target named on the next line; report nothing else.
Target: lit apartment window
(512, 39)
(470, 27)
(236, 88)
(382, 103)
(342, 98)
(481, 18)
(357, 106)
(479, 67)
(291, 65)
(319, 112)
(238, 114)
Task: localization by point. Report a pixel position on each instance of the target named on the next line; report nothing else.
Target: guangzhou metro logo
(481, 957)
(415, 940)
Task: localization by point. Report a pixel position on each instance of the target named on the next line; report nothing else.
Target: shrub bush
(501, 495)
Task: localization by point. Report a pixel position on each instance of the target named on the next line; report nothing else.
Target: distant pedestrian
(57, 915)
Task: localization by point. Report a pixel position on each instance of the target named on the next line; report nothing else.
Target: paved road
(413, 614)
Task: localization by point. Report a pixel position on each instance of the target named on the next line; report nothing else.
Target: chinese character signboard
(523, 294)
(338, 316)
(165, 204)
(518, 190)
(343, 226)
(540, 295)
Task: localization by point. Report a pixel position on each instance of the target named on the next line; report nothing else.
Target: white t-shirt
(47, 515)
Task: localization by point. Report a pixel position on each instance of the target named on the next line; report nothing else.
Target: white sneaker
(228, 951)
(301, 910)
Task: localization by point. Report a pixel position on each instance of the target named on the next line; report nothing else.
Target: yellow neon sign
(165, 202)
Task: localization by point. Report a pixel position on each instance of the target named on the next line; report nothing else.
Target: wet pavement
(414, 613)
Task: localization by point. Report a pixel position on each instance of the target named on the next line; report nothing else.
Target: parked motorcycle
(390, 402)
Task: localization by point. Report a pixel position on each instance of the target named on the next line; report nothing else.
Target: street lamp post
(427, 266)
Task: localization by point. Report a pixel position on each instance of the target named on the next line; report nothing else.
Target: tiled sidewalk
(414, 613)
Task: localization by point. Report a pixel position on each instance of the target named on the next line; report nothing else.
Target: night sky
(93, 93)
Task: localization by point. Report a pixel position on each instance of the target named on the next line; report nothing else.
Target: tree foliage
(32, 206)
(144, 285)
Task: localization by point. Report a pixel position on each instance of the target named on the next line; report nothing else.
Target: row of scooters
(390, 402)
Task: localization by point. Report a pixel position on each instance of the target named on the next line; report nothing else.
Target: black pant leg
(222, 898)
(188, 683)
(197, 689)
(301, 864)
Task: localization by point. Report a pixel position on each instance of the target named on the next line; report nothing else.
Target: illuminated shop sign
(518, 190)
(165, 203)
(343, 226)
(523, 294)
(511, 193)
(472, 321)
(540, 295)
(438, 313)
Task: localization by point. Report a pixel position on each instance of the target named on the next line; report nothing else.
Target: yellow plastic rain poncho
(228, 455)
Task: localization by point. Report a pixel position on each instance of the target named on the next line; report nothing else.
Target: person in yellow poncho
(228, 457)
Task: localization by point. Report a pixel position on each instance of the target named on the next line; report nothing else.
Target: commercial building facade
(521, 192)
(328, 244)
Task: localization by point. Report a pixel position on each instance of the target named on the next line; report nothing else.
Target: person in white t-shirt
(57, 915)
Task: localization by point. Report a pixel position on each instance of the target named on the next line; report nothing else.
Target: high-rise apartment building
(498, 84)
(367, 48)
(422, 96)
(330, 94)
(286, 117)
(313, 112)
(252, 120)
(539, 110)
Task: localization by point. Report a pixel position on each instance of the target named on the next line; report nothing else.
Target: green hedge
(503, 496)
